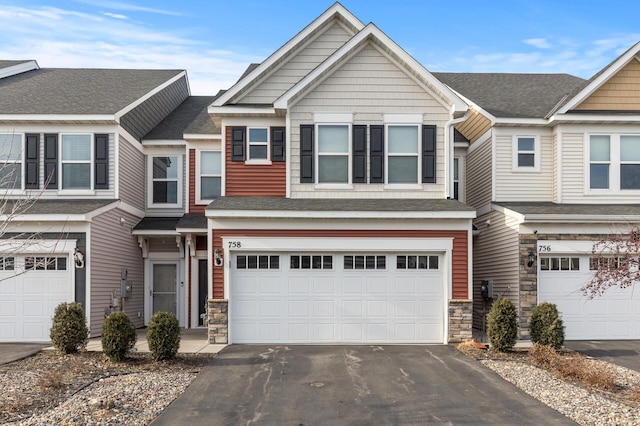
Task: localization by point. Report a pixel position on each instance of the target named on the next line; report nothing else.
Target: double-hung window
(403, 158)
(75, 161)
(333, 153)
(258, 142)
(165, 177)
(10, 161)
(526, 154)
(599, 161)
(210, 175)
(614, 162)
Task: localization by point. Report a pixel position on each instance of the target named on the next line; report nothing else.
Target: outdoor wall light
(78, 257)
(217, 257)
(532, 258)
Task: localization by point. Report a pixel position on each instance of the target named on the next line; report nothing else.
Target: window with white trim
(614, 162)
(10, 161)
(526, 153)
(166, 180)
(559, 263)
(7, 263)
(257, 262)
(417, 262)
(75, 161)
(333, 153)
(210, 175)
(45, 263)
(310, 262)
(365, 262)
(403, 153)
(258, 143)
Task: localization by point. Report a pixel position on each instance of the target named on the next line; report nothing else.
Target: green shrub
(163, 336)
(118, 336)
(546, 326)
(69, 331)
(502, 325)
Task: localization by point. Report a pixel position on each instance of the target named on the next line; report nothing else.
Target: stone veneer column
(528, 288)
(218, 320)
(460, 320)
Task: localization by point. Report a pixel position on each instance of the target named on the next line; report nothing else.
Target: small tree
(502, 325)
(546, 325)
(118, 336)
(615, 262)
(163, 336)
(69, 330)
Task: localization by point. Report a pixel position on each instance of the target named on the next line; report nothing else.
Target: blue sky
(216, 39)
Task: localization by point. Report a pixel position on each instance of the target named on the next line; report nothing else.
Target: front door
(203, 270)
(165, 288)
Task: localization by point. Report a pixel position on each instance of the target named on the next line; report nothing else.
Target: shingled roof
(190, 116)
(513, 95)
(79, 91)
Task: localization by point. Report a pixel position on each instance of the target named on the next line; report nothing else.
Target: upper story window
(333, 153)
(166, 180)
(10, 161)
(403, 165)
(526, 153)
(258, 142)
(456, 178)
(75, 161)
(614, 162)
(210, 175)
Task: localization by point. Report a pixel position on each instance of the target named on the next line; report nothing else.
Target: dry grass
(574, 367)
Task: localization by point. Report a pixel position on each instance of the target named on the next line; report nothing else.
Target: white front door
(164, 287)
(28, 298)
(614, 315)
(336, 298)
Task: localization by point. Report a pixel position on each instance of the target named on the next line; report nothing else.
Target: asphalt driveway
(351, 385)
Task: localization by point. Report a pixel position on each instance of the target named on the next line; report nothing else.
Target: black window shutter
(428, 153)
(376, 157)
(359, 141)
(51, 161)
(237, 143)
(277, 144)
(101, 174)
(32, 154)
(306, 153)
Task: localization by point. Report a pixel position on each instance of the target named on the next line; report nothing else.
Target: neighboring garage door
(28, 299)
(336, 298)
(615, 315)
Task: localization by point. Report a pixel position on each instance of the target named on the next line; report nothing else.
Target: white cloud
(540, 43)
(60, 38)
(115, 15)
(116, 5)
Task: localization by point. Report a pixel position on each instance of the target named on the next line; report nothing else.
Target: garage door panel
(269, 285)
(7, 308)
(247, 286)
(7, 329)
(331, 305)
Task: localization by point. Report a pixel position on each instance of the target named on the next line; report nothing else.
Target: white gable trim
(352, 45)
(616, 66)
(336, 9)
(19, 68)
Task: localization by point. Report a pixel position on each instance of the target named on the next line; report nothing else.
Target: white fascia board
(594, 118)
(234, 110)
(336, 57)
(103, 118)
(337, 8)
(149, 94)
(508, 212)
(19, 68)
(47, 246)
(580, 218)
(339, 214)
(164, 142)
(46, 218)
(536, 122)
(601, 79)
(99, 211)
(201, 136)
(191, 230)
(151, 232)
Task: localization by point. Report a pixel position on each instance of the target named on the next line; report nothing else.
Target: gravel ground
(584, 406)
(87, 389)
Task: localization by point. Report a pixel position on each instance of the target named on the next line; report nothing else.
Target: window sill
(164, 206)
(526, 170)
(76, 192)
(333, 186)
(257, 162)
(403, 186)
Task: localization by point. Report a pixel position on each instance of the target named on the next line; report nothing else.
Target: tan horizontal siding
(620, 93)
(475, 126)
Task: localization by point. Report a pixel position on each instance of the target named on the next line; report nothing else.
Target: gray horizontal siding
(132, 180)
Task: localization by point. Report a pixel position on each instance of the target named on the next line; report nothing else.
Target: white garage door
(336, 298)
(615, 315)
(28, 299)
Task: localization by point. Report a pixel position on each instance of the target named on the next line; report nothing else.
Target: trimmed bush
(69, 332)
(502, 325)
(163, 336)
(118, 336)
(546, 325)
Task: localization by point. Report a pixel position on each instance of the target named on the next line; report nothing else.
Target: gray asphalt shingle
(43, 207)
(542, 208)
(190, 116)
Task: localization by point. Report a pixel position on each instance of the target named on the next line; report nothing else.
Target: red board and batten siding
(460, 271)
(265, 180)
